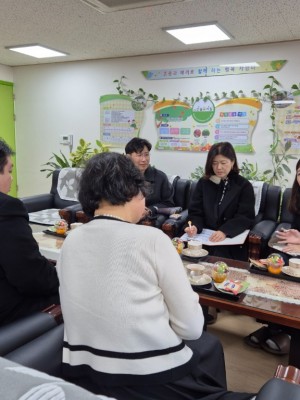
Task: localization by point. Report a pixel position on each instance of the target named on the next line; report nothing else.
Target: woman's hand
(191, 230)
(217, 236)
(292, 248)
(288, 236)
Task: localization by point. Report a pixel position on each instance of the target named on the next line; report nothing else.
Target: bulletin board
(287, 123)
(184, 127)
(120, 119)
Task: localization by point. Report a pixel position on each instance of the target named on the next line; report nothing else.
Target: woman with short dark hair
(127, 303)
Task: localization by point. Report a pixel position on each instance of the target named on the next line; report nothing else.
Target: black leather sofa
(35, 341)
(47, 200)
(285, 217)
(265, 221)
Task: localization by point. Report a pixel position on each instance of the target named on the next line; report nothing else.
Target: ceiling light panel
(198, 33)
(108, 6)
(37, 51)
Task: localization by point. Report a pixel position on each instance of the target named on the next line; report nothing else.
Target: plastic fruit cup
(61, 226)
(219, 272)
(61, 230)
(178, 244)
(275, 263)
(274, 268)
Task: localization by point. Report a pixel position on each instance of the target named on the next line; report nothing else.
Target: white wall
(6, 73)
(63, 98)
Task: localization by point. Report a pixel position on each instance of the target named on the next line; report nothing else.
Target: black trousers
(207, 381)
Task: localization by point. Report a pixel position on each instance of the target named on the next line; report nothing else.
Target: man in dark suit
(28, 281)
(160, 190)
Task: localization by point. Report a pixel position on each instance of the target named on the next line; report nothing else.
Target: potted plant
(77, 158)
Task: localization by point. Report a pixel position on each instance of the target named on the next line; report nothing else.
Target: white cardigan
(127, 305)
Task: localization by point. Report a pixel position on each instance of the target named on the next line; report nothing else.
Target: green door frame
(7, 124)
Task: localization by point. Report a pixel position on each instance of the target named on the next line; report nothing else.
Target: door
(7, 124)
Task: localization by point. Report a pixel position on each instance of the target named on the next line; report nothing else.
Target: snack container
(178, 244)
(275, 263)
(61, 226)
(220, 271)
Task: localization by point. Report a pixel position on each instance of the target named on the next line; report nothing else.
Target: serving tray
(211, 290)
(286, 277)
(49, 232)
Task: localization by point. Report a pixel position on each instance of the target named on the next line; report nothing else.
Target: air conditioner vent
(108, 6)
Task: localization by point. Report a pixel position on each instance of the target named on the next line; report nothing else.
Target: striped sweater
(127, 305)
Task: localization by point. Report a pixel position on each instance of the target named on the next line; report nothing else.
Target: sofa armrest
(43, 353)
(174, 227)
(69, 213)
(23, 330)
(278, 389)
(82, 217)
(38, 202)
(264, 229)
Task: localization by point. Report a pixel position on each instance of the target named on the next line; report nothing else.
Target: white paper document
(206, 234)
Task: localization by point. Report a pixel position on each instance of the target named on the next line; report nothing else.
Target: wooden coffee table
(263, 309)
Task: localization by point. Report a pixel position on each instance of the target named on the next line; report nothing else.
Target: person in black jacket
(160, 193)
(223, 201)
(291, 237)
(28, 281)
(272, 337)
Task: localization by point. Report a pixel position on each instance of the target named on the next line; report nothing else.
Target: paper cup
(294, 264)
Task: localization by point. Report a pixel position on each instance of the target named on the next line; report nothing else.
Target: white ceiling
(84, 32)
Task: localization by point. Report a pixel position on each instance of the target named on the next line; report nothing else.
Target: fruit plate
(283, 274)
(230, 285)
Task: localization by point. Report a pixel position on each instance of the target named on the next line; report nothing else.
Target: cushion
(18, 382)
(68, 183)
(257, 187)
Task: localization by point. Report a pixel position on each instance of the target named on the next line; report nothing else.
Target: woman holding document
(223, 201)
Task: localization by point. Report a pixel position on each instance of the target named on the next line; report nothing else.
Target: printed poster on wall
(120, 119)
(197, 127)
(287, 124)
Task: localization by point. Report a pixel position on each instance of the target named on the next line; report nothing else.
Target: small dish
(258, 264)
(194, 253)
(220, 287)
(201, 280)
(290, 271)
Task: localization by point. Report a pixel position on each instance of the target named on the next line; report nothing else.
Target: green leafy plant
(140, 98)
(77, 158)
(278, 151)
(250, 171)
(197, 174)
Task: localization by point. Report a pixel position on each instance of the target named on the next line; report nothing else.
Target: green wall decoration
(199, 138)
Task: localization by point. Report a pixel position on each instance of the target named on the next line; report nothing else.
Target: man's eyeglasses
(142, 155)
